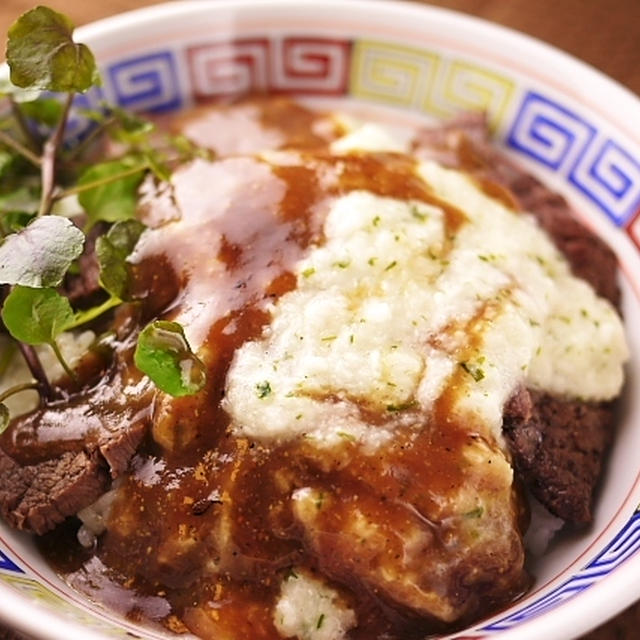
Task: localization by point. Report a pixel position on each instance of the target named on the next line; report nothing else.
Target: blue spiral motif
(548, 132)
(625, 544)
(610, 177)
(79, 124)
(146, 83)
(7, 564)
(560, 139)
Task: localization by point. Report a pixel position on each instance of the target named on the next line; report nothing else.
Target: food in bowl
(397, 334)
(336, 347)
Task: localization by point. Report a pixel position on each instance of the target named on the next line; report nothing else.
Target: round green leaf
(112, 250)
(116, 197)
(36, 316)
(41, 54)
(40, 254)
(163, 354)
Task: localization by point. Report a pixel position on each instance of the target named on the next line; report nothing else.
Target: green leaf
(112, 250)
(22, 199)
(36, 316)
(114, 198)
(40, 254)
(41, 54)
(163, 353)
(157, 164)
(45, 110)
(14, 221)
(4, 417)
(132, 129)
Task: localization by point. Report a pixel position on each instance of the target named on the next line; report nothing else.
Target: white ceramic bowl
(402, 63)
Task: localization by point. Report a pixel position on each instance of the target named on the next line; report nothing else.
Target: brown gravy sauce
(202, 530)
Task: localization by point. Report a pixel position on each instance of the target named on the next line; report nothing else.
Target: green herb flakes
(263, 389)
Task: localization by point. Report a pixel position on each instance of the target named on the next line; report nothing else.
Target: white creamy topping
(309, 610)
(369, 137)
(388, 313)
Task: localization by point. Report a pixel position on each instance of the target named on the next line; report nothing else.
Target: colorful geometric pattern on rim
(427, 81)
(621, 548)
(36, 592)
(562, 140)
(280, 65)
(7, 564)
(147, 83)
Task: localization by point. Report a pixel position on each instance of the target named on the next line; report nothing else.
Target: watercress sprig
(38, 247)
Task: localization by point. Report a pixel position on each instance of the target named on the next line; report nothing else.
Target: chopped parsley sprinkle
(372, 261)
(346, 436)
(476, 372)
(394, 408)
(416, 213)
(376, 221)
(263, 389)
(474, 513)
(328, 338)
(308, 272)
(342, 264)
(391, 265)
(320, 621)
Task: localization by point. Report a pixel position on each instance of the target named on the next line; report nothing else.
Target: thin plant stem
(17, 388)
(48, 169)
(91, 136)
(21, 149)
(83, 317)
(35, 367)
(68, 370)
(79, 188)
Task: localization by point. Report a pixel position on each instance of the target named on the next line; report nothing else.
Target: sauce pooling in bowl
(365, 316)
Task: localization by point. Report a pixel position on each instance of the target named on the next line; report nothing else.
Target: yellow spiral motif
(462, 86)
(427, 81)
(392, 74)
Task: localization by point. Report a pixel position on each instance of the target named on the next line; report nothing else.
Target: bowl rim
(582, 613)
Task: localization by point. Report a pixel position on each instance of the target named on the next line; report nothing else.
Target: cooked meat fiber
(407, 518)
(557, 444)
(40, 496)
(57, 460)
(558, 448)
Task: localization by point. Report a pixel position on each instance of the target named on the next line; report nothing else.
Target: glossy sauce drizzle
(208, 522)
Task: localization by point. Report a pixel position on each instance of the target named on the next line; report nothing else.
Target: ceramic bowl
(404, 64)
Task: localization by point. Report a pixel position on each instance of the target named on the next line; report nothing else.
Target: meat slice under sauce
(558, 444)
(419, 535)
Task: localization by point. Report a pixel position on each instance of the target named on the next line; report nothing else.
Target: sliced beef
(40, 496)
(558, 446)
(60, 458)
